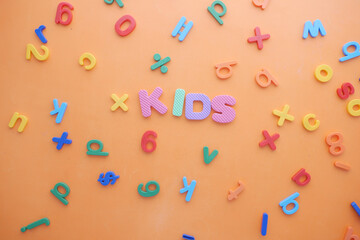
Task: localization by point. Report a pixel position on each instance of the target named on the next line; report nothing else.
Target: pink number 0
(145, 140)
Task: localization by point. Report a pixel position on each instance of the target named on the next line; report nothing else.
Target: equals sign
(188, 237)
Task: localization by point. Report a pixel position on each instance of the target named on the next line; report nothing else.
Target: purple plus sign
(62, 140)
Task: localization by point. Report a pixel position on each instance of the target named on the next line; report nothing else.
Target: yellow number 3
(31, 49)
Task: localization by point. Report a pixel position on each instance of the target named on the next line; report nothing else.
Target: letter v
(208, 158)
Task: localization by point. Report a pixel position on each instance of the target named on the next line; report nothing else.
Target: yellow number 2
(31, 49)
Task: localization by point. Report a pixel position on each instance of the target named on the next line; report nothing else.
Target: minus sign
(264, 224)
(356, 208)
(342, 165)
(188, 237)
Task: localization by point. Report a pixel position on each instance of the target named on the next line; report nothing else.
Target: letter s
(345, 90)
(220, 104)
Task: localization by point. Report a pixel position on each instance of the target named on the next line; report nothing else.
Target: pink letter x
(269, 140)
(258, 38)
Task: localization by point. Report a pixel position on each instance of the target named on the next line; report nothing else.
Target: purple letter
(146, 102)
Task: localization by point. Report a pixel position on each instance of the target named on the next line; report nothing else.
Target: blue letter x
(62, 140)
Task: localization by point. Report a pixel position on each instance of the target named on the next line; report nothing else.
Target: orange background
(31, 165)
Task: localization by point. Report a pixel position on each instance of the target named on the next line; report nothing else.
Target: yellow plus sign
(283, 115)
(119, 102)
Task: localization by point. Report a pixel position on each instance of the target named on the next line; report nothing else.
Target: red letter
(345, 90)
(131, 27)
(60, 11)
(298, 175)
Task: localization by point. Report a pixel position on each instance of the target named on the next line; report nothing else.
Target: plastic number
(145, 140)
(148, 192)
(335, 147)
(130, 28)
(30, 49)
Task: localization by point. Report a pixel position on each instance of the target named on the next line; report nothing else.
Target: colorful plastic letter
(291, 199)
(40, 34)
(61, 10)
(178, 102)
(90, 57)
(30, 49)
(130, 28)
(148, 192)
(59, 195)
(264, 224)
(189, 106)
(45, 221)
(351, 105)
(119, 102)
(188, 188)
(185, 31)
(261, 3)
(146, 102)
(119, 2)
(356, 208)
(283, 115)
(60, 111)
(349, 234)
(216, 14)
(269, 140)
(325, 68)
(97, 152)
(145, 140)
(234, 194)
(269, 79)
(307, 124)
(221, 105)
(258, 38)
(61, 140)
(351, 55)
(208, 158)
(23, 122)
(313, 29)
(335, 147)
(225, 65)
(345, 91)
(301, 173)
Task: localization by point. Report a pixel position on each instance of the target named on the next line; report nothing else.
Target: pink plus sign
(258, 38)
(269, 140)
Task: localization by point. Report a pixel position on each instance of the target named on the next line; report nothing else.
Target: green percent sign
(97, 152)
(148, 192)
(119, 2)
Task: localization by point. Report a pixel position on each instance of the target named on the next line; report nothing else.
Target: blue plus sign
(62, 140)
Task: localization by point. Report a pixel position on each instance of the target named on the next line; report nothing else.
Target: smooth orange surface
(30, 165)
